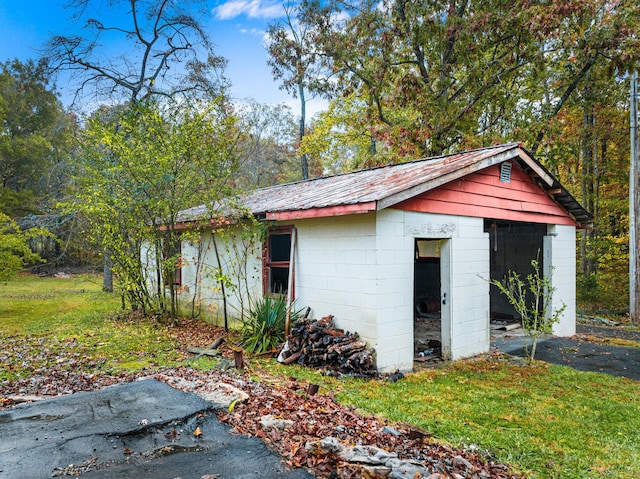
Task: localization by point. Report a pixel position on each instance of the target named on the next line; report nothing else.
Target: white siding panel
(560, 267)
(198, 281)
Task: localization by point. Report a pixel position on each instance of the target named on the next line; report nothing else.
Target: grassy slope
(552, 421)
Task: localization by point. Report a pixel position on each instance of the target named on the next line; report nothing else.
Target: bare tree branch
(168, 53)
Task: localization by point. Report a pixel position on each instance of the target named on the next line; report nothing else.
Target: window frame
(177, 277)
(268, 264)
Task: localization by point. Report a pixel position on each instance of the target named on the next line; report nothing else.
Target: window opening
(173, 251)
(276, 259)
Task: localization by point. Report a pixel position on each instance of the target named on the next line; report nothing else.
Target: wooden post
(238, 359)
(634, 205)
(290, 284)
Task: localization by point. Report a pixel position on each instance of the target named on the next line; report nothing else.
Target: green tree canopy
(15, 253)
(293, 60)
(433, 77)
(139, 166)
(267, 146)
(35, 134)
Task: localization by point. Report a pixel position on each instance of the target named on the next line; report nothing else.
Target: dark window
(174, 253)
(278, 280)
(280, 246)
(276, 258)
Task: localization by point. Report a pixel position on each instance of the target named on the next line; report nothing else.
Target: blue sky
(235, 26)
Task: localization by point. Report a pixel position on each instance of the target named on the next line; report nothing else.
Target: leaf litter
(310, 419)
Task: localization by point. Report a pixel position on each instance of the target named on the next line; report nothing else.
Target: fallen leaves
(63, 368)
(76, 469)
(53, 366)
(317, 417)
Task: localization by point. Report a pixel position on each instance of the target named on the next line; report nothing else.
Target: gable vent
(505, 172)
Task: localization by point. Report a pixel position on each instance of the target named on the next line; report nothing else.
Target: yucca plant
(263, 329)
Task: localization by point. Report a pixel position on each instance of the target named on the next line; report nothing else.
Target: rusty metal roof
(365, 186)
(382, 187)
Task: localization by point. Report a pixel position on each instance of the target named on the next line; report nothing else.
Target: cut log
(509, 327)
(347, 349)
(293, 358)
(238, 358)
(319, 344)
(334, 332)
(212, 347)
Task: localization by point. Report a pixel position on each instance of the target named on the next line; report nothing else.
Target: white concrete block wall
(465, 257)
(559, 248)
(335, 271)
(198, 280)
(394, 345)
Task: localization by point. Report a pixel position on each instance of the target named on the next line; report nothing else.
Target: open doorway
(512, 247)
(427, 288)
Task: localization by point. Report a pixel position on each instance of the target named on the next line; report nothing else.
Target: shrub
(15, 253)
(537, 315)
(264, 327)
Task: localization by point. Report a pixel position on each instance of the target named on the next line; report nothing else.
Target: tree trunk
(634, 207)
(589, 178)
(107, 274)
(303, 160)
(221, 281)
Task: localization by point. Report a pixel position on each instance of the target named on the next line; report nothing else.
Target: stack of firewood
(319, 344)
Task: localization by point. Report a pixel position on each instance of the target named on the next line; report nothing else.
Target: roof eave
(338, 210)
(582, 218)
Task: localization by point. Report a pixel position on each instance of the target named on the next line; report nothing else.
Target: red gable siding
(483, 195)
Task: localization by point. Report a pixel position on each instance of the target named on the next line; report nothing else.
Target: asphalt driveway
(144, 429)
(582, 355)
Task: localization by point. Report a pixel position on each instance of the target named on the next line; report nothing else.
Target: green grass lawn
(74, 323)
(547, 421)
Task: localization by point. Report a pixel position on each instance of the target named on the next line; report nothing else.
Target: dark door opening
(427, 286)
(512, 247)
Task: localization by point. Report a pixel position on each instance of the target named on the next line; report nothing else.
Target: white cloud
(253, 31)
(250, 8)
